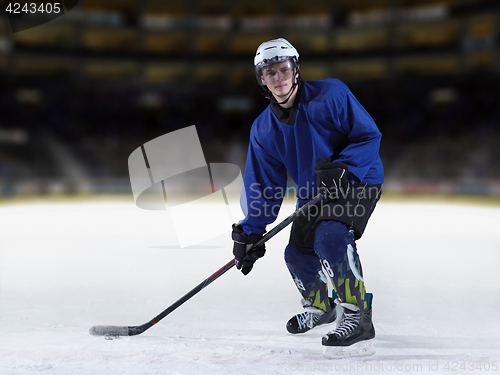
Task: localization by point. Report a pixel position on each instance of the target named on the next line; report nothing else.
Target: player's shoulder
(333, 86)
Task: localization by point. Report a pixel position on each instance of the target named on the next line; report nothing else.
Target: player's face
(279, 79)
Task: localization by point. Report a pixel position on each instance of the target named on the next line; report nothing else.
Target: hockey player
(324, 138)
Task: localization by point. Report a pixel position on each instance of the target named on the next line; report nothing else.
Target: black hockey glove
(242, 244)
(332, 176)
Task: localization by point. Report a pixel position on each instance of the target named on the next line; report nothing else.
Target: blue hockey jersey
(329, 122)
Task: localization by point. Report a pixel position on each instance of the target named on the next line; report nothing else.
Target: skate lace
(348, 323)
(307, 319)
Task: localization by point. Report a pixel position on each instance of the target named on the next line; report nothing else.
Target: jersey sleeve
(264, 186)
(363, 136)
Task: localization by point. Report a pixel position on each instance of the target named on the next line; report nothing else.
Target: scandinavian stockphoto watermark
(266, 200)
(23, 15)
(378, 367)
(201, 199)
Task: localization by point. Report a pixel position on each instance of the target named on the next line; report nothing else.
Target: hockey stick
(136, 330)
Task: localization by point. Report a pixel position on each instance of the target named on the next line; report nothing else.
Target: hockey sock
(316, 294)
(305, 269)
(335, 246)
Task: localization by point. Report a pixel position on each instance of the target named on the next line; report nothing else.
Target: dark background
(80, 93)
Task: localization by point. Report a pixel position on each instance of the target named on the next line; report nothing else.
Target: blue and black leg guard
(336, 247)
(305, 268)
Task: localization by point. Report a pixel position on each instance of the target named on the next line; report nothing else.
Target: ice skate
(353, 336)
(310, 318)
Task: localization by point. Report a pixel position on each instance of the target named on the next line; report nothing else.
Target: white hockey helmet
(272, 52)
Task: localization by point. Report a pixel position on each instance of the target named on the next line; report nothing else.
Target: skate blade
(359, 349)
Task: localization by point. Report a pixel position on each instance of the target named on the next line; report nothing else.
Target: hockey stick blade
(136, 330)
(109, 331)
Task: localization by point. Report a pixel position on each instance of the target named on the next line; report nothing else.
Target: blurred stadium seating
(80, 93)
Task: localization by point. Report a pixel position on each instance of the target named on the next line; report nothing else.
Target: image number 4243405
(23, 15)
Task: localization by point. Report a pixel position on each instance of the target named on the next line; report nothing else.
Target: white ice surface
(433, 269)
